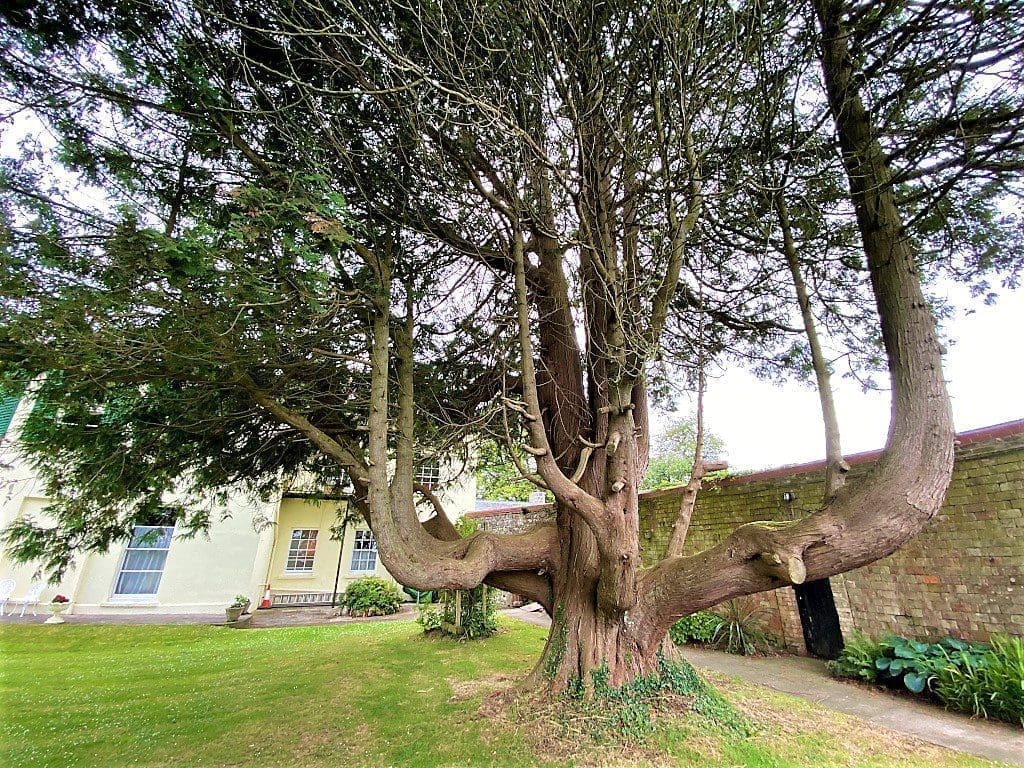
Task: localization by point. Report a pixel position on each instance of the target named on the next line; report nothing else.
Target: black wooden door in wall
(819, 619)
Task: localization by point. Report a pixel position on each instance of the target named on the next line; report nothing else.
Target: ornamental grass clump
(858, 658)
(990, 685)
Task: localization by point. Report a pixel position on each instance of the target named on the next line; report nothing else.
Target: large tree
(342, 237)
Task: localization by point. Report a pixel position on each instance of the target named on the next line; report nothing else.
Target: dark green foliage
(371, 596)
(986, 681)
(463, 614)
(700, 626)
(735, 629)
(858, 658)
(184, 250)
(916, 664)
(625, 712)
(990, 684)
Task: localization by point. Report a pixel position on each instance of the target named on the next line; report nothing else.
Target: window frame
(292, 570)
(428, 474)
(362, 537)
(117, 595)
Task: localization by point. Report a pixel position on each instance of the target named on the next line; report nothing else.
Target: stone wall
(962, 575)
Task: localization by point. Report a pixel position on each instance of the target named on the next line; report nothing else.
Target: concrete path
(808, 679)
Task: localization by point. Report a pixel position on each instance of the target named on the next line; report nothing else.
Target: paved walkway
(808, 679)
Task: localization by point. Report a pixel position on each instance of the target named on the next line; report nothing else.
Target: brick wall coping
(523, 509)
(970, 437)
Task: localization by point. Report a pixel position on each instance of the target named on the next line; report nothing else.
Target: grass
(361, 694)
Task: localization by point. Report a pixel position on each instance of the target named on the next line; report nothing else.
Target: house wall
(319, 515)
(203, 574)
(456, 493)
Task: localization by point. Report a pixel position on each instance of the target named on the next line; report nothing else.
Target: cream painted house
(294, 554)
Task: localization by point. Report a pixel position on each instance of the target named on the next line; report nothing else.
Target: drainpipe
(341, 555)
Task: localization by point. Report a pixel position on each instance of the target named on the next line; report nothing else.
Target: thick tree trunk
(588, 632)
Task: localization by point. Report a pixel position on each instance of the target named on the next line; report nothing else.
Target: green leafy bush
(463, 614)
(987, 685)
(736, 629)
(986, 681)
(917, 664)
(431, 617)
(858, 658)
(700, 627)
(371, 596)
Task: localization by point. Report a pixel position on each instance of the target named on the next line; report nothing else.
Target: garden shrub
(736, 630)
(985, 681)
(987, 685)
(463, 614)
(700, 627)
(858, 658)
(371, 596)
(917, 664)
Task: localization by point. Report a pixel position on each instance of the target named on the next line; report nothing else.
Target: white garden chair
(31, 598)
(7, 587)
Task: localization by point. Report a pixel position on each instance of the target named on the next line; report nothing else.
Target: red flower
(60, 599)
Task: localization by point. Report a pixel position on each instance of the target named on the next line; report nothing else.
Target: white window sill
(296, 575)
(356, 574)
(123, 600)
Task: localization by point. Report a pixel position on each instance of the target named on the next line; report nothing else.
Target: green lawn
(361, 694)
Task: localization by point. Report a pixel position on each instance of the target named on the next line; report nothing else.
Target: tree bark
(835, 466)
(607, 611)
(871, 518)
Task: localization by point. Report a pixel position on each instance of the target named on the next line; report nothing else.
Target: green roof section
(8, 405)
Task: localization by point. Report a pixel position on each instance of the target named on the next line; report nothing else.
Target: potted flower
(57, 606)
(237, 608)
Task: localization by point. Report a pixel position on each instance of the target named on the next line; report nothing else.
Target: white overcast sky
(765, 425)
